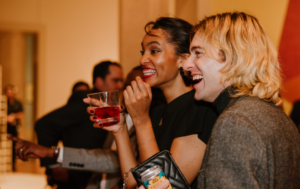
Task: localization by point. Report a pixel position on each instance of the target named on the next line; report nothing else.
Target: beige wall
(271, 13)
(12, 53)
(187, 10)
(73, 36)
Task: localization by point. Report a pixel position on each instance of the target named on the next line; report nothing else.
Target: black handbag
(165, 161)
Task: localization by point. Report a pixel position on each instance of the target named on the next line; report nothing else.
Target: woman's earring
(185, 78)
(181, 71)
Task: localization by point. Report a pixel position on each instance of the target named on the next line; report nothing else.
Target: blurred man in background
(80, 86)
(14, 114)
(71, 125)
(295, 115)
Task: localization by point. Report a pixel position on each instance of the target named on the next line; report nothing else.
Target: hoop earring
(181, 72)
(185, 78)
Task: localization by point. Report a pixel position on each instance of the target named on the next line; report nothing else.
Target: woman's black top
(182, 117)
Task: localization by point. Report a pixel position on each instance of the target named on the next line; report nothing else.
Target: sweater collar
(222, 100)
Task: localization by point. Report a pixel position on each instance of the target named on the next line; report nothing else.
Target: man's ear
(99, 82)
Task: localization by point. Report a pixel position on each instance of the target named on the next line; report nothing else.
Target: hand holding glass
(106, 107)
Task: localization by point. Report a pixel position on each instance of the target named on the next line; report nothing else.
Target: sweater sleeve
(236, 155)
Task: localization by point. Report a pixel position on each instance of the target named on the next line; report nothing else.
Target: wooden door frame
(41, 68)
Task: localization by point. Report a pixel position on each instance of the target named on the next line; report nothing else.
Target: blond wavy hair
(251, 63)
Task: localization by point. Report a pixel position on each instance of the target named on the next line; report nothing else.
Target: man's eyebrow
(195, 47)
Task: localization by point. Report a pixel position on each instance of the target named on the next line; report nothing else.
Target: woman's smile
(159, 60)
(148, 72)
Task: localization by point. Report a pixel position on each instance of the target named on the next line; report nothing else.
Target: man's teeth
(197, 77)
(149, 72)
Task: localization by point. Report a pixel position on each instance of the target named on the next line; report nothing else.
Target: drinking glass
(106, 107)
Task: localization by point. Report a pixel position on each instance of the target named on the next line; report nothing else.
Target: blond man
(253, 143)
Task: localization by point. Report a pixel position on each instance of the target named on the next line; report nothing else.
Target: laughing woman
(181, 126)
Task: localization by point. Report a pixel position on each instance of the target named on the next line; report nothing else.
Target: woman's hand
(162, 185)
(25, 149)
(138, 98)
(117, 128)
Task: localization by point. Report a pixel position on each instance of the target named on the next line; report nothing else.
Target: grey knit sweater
(253, 145)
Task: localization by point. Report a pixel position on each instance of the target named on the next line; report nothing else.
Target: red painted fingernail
(94, 117)
(92, 111)
(144, 80)
(122, 107)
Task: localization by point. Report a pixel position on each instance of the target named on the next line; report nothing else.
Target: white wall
(74, 36)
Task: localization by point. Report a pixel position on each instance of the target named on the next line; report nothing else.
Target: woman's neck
(175, 89)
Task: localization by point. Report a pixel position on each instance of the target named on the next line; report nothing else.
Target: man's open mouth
(197, 78)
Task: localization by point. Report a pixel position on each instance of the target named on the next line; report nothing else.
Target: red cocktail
(106, 107)
(107, 116)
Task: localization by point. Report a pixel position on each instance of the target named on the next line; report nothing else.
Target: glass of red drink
(106, 106)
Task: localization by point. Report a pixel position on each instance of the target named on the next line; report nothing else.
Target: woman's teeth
(149, 72)
(197, 77)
